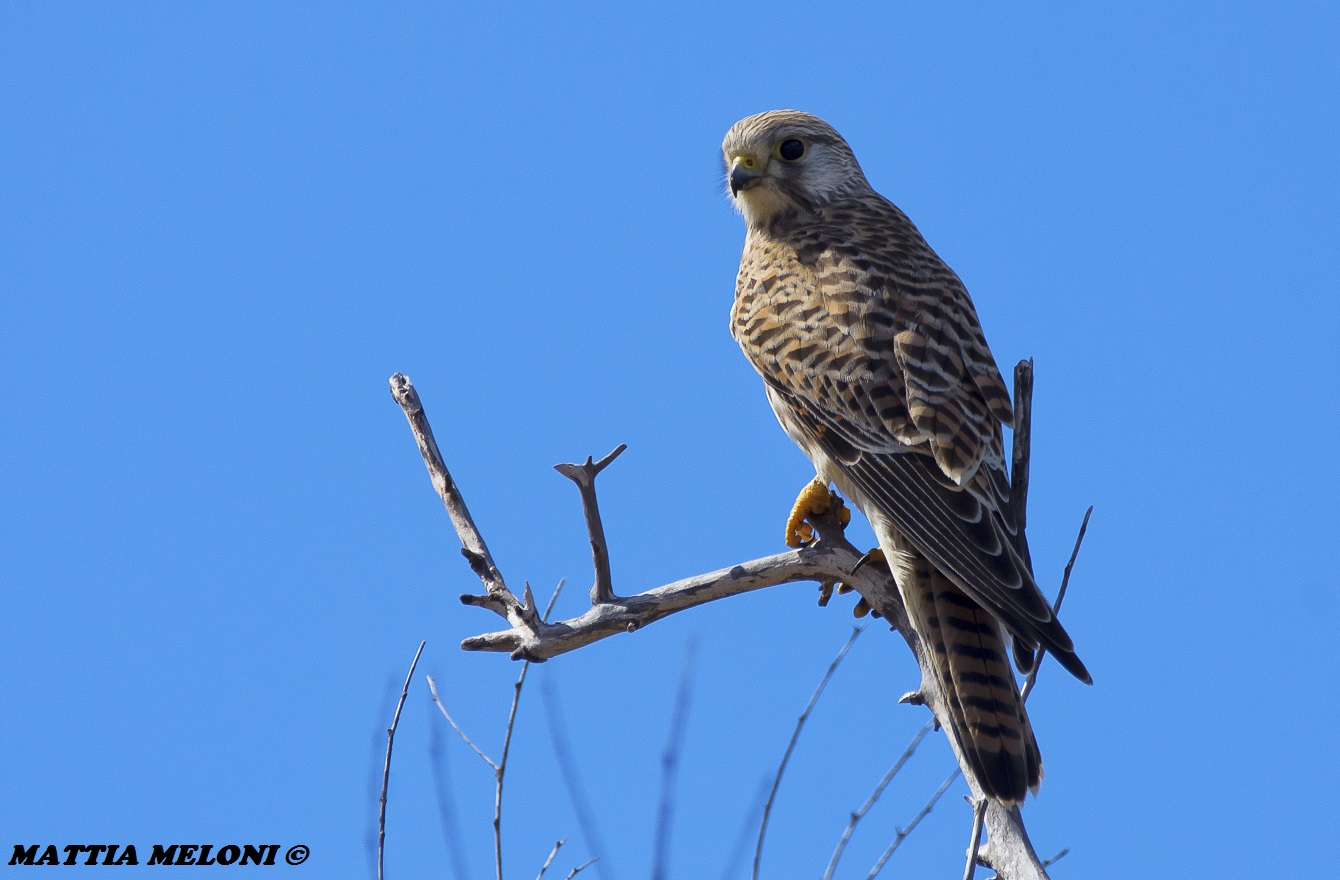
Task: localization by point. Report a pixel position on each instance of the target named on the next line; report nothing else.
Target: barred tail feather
(971, 663)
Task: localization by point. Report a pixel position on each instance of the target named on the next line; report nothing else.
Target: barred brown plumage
(875, 363)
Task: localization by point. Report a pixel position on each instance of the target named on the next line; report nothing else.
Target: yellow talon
(813, 500)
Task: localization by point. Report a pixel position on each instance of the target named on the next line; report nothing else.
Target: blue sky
(225, 225)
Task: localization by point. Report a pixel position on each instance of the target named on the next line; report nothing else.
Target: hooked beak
(745, 171)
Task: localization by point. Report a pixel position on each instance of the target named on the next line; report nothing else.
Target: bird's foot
(862, 607)
(814, 500)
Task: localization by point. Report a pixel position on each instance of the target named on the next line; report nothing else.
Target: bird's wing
(885, 364)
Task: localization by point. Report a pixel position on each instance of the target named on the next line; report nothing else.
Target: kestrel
(874, 361)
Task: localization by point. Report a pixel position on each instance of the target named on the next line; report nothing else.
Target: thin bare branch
(549, 861)
(386, 768)
(1023, 436)
(571, 780)
(978, 817)
(584, 475)
(554, 598)
(501, 769)
(1060, 597)
(916, 820)
(1056, 858)
(448, 810)
(857, 816)
(790, 747)
(432, 687)
(830, 558)
(472, 543)
(729, 867)
(1074, 553)
(588, 863)
(660, 858)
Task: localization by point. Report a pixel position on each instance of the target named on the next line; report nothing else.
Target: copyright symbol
(296, 855)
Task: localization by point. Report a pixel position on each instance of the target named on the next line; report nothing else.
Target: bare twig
(553, 599)
(584, 475)
(498, 598)
(1023, 436)
(549, 861)
(1019, 471)
(669, 765)
(386, 768)
(790, 747)
(832, 558)
(1056, 858)
(588, 863)
(571, 781)
(828, 560)
(751, 818)
(473, 546)
(916, 820)
(501, 769)
(448, 811)
(1060, 597)
(978, 817)
(432, 688)
(874, 796)
(1074, 553)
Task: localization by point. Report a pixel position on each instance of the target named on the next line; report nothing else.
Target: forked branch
(830, 559)
(584, 475)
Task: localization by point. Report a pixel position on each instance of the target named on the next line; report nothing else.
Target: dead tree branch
(386, 768)
(1060, 597)
(857, 816)
(830, 559)
(584, 475)
(916, 820)
(791, 746)
(553, 853)
(978, 816)
(441, 707)
(660, 848)
(1023, 441)
(567, 765)
(500, 771)
(499, 767)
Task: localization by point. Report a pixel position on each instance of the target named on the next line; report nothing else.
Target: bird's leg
(815, 499)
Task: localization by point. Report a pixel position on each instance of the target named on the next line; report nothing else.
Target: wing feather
(877, 351)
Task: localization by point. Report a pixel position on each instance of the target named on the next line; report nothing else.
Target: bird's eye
(791, 149)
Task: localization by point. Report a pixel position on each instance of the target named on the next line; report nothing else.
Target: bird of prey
(874, 361)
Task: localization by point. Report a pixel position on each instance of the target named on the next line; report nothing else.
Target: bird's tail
(967, 651)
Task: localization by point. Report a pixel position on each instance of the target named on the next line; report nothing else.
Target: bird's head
(786, 160)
